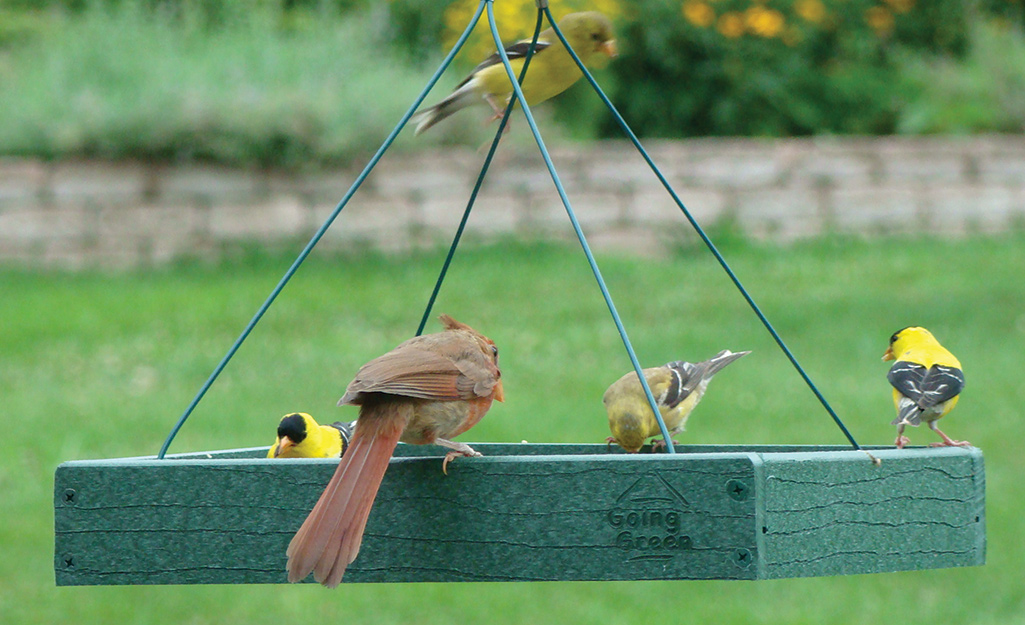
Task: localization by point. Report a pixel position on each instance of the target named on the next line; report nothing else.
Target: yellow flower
(698, 13)
(880, 19)
(901, 6)
(731, 24)
(764, 22)
(810, 10)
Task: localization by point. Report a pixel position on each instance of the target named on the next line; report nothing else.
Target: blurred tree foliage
(268, 87)
(1010, 12)
(22, 19)
(788, 67)
(733, 67)
(213, 9)
(292, 82)
(985, 90)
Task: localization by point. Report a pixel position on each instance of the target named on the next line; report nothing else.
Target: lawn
(99, 365)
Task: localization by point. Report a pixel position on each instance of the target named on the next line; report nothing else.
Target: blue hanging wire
(704, 237)
(320, 232)
(480, 181)
(542, 5)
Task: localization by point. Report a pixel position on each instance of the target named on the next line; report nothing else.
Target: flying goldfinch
(677, 388)
(552, 70)
(425, 391)
(927, 381)
(299, 436)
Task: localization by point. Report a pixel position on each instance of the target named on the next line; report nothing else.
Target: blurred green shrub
(985, 91)
(17, 27)
(211, 10)
(730, 67)
(296, 82)
(784, 67)
(1011, 12)
(127, 82)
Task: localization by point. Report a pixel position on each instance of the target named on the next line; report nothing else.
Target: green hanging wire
(480, 180)
(518, 93)
(320, 233)
(701, 233)
(543, 11)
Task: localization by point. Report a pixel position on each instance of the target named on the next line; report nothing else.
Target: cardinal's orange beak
(609, 48)
(888, 354)
(499, 392)
(284, 444)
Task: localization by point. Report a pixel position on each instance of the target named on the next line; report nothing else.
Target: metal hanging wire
(480, 179)
(517, 96)
(543, 8)
(320, 231)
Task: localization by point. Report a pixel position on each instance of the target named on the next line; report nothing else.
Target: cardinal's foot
(458, 449)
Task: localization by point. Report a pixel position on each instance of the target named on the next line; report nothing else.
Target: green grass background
(99, 365)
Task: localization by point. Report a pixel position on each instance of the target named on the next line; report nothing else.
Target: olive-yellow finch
(677, 388)
(927, 381)
(299, 436)
(552, 70)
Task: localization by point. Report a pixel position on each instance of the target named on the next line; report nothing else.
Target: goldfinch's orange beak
(888, 354)
(284, 444)
(609, 48)
(499, 392)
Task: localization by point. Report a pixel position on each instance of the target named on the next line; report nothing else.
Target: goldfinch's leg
(499, 109)
(947, 441)
(661, 444)
(609, 441)
(901, 439)
(496, 106)
(458, 449)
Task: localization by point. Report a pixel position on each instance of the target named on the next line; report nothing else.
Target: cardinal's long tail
(329, 539)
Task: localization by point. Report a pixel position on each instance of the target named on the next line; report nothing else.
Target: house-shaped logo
(648, 519)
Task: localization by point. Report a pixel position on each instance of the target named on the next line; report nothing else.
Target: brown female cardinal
(427, 390)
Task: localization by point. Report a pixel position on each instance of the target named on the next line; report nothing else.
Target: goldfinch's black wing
(687, 376)
(926, 387)
(346, 430)
(517, 50)
(684, 378)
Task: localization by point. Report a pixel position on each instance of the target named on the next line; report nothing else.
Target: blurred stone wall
(99, 214)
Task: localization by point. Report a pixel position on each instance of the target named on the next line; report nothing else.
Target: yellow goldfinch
(927, 381)
(552, 70)
(299, 436)
(677, 388)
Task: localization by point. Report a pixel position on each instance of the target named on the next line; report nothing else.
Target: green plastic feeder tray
(527, 512)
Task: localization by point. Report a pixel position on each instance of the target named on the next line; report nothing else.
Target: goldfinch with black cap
(299, 436)
(552, 70)
(677, 388)
(927, 382)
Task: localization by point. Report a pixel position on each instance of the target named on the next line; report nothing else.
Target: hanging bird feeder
(528, 512)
